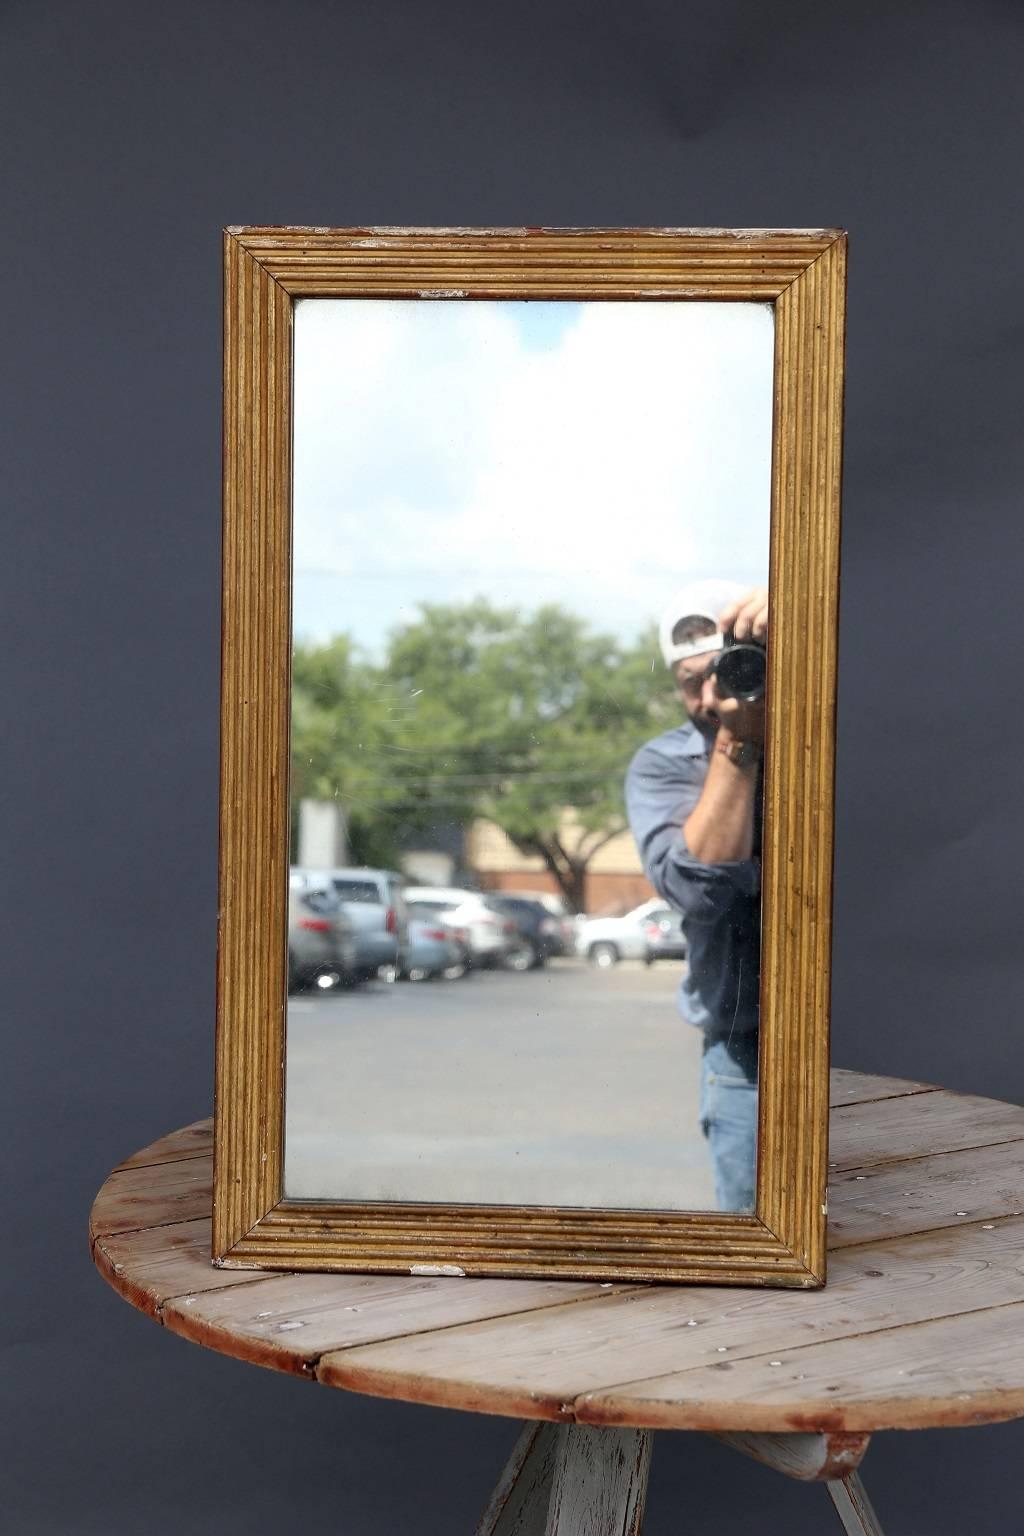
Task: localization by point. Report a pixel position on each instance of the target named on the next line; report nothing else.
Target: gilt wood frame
(803, 274)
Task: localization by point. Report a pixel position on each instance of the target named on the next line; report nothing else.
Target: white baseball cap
(699, 600)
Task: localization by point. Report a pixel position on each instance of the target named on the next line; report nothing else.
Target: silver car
(321, 943)
(374, 902)
(491, 935)
(434, 947)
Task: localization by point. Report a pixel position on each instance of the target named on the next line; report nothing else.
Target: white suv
(607, 940)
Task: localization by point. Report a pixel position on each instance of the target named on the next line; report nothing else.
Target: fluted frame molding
(802, 273)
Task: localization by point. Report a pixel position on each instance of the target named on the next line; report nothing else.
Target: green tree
(480, 711)
(524, 716)
(343, 718)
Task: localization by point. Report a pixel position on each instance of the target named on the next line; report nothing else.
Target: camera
(741, 669)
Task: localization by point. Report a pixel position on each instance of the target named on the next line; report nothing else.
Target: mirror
(524, 917)
(529, 617)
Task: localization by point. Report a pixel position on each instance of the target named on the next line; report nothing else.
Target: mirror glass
(529, 646)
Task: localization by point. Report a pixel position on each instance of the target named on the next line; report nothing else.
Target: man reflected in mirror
(694, 797)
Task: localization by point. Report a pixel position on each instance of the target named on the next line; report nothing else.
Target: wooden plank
(519, 1504)
(951, 1189)
(157, 1196)
(569, 1362)
(913, 1330)
(847, 1087)
(191, 1141)
(963, 1368)
(917, 1125)
(853, 1507)
(537, 263)
(255, 719)
(796, 856)
(600, 1482)
(808, 1458)
(149, 1267)
(289, 1321)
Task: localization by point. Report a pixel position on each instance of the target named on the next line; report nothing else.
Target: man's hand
(720, 828)
(743, 719)
(747, 617)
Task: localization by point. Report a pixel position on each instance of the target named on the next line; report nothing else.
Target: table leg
(829, 1458)
(571, 1480)
(810, 1458)
(577, 1480)
(519, 1504)
(854, 1507)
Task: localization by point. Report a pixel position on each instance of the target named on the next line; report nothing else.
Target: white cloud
(440, 452)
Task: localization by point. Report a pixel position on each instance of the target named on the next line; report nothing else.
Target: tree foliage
(480, 711)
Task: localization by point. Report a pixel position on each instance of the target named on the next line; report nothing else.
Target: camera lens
(741, 672)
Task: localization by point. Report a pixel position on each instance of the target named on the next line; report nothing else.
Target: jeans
(728, 1118)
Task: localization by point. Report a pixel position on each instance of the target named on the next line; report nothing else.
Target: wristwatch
(742, 753)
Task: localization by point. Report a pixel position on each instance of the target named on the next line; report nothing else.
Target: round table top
(921, 1322)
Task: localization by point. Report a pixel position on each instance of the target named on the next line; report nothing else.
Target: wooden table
(921, 1323)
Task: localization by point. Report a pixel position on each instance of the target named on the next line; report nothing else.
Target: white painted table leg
(829, 1458)
(810, 1458)
(571, 1480)
(854, 1507)
(576, 1480)
(519, 1504)
(600, 1482)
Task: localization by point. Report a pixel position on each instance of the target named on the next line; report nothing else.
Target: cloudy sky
(596, 454)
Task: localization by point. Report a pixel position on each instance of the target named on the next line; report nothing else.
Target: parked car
(533, 924)
(607, 940)
(560, 926)
(665, 937)
(374, 901)
(490, 934)
(321, 942)
(434, 947)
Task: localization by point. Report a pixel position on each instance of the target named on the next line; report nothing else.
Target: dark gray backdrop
(132, 133)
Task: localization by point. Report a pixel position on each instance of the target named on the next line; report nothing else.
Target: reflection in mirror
(529, 618)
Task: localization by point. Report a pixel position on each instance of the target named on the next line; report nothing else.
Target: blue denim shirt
(720, 904)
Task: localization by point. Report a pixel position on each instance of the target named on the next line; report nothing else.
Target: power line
(504, 776)
(500, 573)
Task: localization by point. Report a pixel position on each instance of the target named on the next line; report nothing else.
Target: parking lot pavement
(565, 1086)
